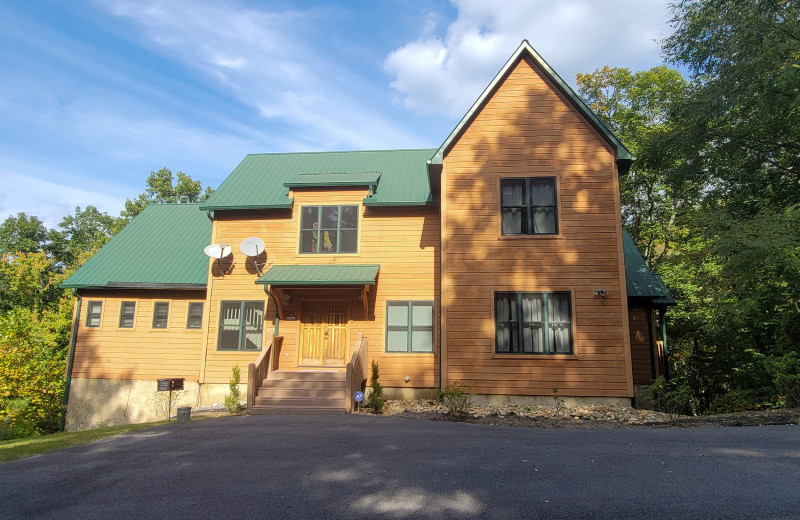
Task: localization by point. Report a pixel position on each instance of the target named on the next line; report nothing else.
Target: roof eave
(286, 205)
(138, 285)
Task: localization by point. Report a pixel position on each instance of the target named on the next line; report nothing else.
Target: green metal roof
(641, 283)
(161, 248)
(334, 179)
(320, 275)
(260, 179)
(624, 156)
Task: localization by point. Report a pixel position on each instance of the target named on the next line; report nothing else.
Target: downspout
(70, 360)
(664, 340)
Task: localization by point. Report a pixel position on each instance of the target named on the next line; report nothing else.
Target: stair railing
(257, 372)
(356, 371)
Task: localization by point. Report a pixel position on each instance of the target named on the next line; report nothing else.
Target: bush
(233, 399)
(456, 398)
(671, 397)
(17, 421)
(786, 378)
(375, 400)
(743, 400)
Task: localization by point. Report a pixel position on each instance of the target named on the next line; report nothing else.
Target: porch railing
(356, 371)
(257, 372)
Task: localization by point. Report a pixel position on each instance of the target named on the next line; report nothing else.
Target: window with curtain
(529, 206)
(93, 311)
(241, 325)
(194, 318)
(160, 315)
(409, 326)
(329, 229)
(533, 323)
(127, 311)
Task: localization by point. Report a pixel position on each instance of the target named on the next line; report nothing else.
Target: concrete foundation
(108, 402)
(408, 394)
(547, 400)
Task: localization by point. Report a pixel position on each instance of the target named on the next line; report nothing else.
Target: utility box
(170, 384)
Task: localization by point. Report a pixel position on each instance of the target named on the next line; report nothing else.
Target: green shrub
(671, 397)
(375, 400)
(233, 399)
(17, 421)
(456, 398)
(743, 400)
(786, 378)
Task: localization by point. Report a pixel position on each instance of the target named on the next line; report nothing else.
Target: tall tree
(22, 234)
(162, 188)
(83, 232)
(636, 106)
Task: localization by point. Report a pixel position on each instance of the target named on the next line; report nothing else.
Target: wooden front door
(323, 334)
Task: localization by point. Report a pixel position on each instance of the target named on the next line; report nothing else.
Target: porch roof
(314, 274)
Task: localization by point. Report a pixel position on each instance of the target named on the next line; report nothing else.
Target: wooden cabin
(497, 260)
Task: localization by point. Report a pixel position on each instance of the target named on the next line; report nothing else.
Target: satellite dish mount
(218, 252)
(252, 247)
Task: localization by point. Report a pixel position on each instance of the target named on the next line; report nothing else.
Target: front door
(323, 334)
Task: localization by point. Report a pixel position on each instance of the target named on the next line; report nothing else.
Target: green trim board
(162, 248)
(639, 280)
(309, 180)
(525, 50)
(313, 275)
(260, 180)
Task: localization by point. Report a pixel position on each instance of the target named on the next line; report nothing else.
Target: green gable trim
(260, 180)
(162, 248)
(320, 275)
(639, 281)
(307, 180)
(624, 156)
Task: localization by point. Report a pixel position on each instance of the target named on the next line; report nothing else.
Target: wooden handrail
(266, 362)
(356, 371)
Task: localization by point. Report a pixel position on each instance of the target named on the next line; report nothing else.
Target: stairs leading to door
(298, 392)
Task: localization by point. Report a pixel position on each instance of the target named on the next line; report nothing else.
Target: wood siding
(642, 333)
(403, 241)
(527, 129)
(141, 352)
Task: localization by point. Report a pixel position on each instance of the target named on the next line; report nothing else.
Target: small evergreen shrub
(375, 400)
(233, 399)
(456, 398)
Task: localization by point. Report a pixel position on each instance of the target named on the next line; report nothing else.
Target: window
(241, 325)
(529, 206)
(195, 316)
(127, 310)
(93, 311)
(533, 323)
(160, 315)
(329, 229)
(409, 326)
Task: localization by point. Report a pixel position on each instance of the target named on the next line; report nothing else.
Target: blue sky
(95, 95)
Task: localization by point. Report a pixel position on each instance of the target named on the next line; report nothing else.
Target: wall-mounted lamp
(601, 292)
(287, 297)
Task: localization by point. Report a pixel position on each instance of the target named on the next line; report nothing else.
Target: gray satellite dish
(217, 251)
(252, 246)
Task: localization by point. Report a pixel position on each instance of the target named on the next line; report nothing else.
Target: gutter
(70, 359)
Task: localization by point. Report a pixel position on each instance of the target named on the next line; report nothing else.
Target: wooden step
(302, 410)
(300, 402)
(300, 385)
(282, 391)
(306, 375)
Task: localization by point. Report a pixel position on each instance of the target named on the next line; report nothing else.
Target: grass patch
(20, 448)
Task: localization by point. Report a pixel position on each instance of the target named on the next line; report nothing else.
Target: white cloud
(445, 75)
(51, 201)
(267, 60)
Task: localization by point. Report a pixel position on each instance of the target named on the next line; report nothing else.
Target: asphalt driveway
(355, 467)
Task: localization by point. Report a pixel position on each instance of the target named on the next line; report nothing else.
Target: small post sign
(170, 384)
(359, 396)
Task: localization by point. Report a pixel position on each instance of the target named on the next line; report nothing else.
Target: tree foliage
(161, 187)
(22, 234)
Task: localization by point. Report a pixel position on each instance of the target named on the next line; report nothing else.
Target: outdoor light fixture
(287, 298)
(601, 292)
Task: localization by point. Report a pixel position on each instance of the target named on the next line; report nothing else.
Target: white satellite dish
(252, 246)
(217, 251)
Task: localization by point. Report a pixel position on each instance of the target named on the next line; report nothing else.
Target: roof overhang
(140, 285)
(526, 51)
(314, 275)
(311, 180)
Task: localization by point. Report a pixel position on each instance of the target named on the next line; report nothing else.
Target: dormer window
(329, 229)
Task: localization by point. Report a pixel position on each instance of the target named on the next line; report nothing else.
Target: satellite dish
(252, 246)
(217, 251)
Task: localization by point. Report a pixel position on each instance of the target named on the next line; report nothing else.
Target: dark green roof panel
(320, 275)
(641, 283)
(161, 247)
(259, 180)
